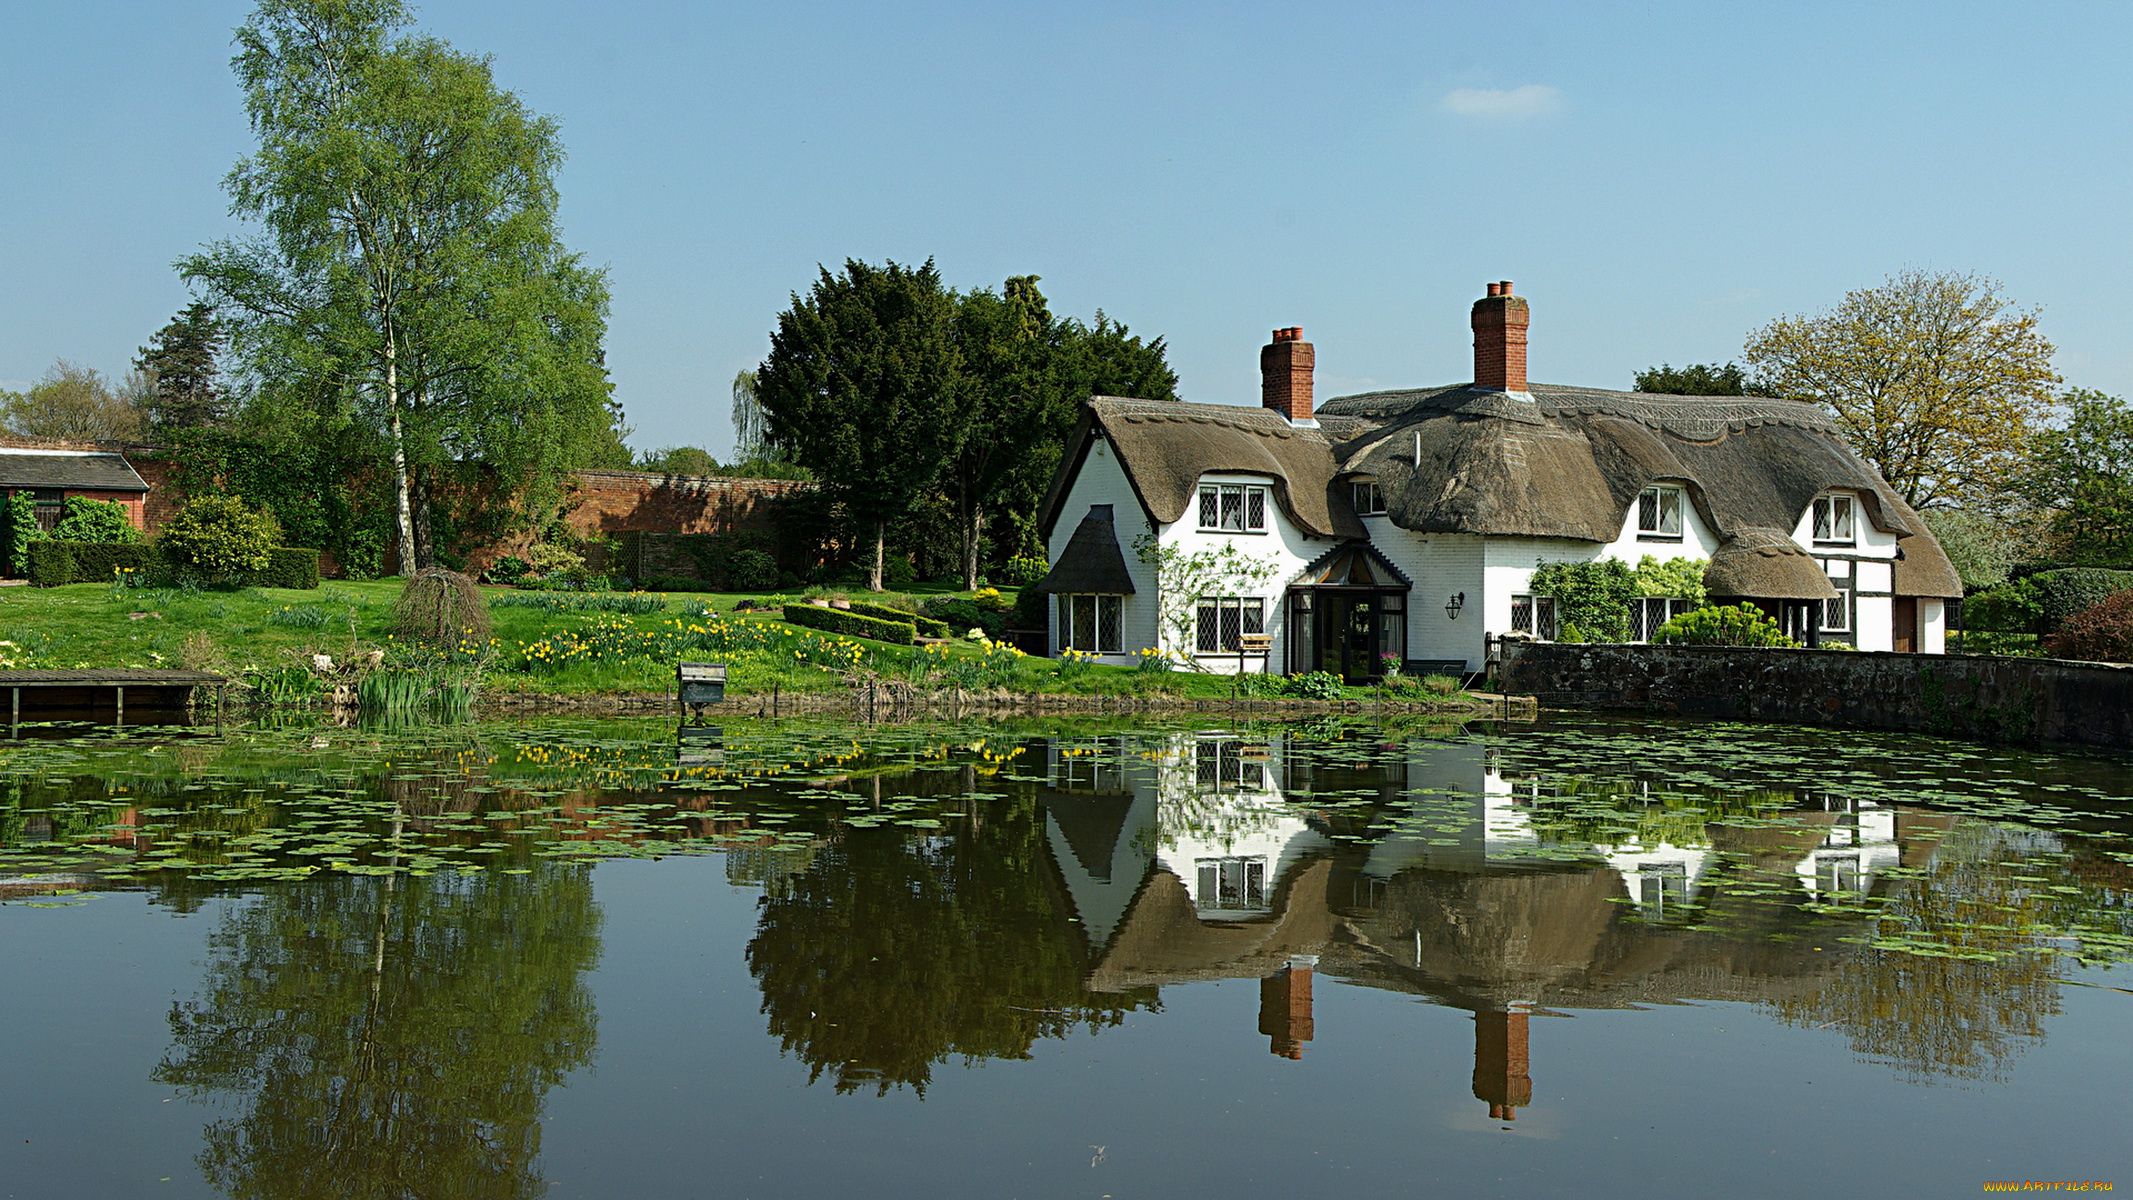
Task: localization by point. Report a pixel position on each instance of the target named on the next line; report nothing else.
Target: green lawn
(256, 631)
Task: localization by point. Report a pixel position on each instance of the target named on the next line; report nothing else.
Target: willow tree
(864, 386)
(1935, 377)
(409, 253)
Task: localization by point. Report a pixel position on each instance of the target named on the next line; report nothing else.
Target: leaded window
(1223, 620)
(1533, 615)
(1232, 508)
(1659, 512)
(1091, 622)
(1836, 520)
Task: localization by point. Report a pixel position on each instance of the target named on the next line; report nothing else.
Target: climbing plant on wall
(1591, 598)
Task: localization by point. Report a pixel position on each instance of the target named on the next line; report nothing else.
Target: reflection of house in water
(1216, 858)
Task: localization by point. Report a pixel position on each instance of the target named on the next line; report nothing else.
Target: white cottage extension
(1409, 523)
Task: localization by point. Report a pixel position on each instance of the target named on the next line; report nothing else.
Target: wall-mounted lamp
(1453, 605)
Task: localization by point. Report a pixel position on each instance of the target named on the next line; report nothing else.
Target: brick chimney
(1285, 1007)
(1500, 321)
(1285, 374)
(1500, 1070)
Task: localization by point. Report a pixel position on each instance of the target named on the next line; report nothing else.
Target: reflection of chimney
(1285, 1006)
(1500, 321)
(1285, 374)
(1500, 1063)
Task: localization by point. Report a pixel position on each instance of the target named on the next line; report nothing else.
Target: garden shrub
(1315, 685)
(2040, 603)
(751, 571)
(1022, 572)
(962, 616)
(851, 624)
(2100, 633)
(1722, 625)
(676, 583)
(50, 563)
(897, 571)
(86, 520)
(1033, 610)
(440, 608)
(220, 537)
(926, 626)
(507, 570)
(97, 562)
(287, 567)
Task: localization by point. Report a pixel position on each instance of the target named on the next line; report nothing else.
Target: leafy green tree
(2083, 475)
(183, 390)
(1699, 379)
(72, 403)
(389, 1036)
(1935, 377)
(1029, 372)
(1592, 598)
(864, 384)
(409, 256)
(678, 460)
(1982, 546)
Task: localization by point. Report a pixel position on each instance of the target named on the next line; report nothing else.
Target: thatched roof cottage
(1409, 523)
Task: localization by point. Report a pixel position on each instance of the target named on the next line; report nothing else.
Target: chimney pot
(1495, 289)
(1506, 286)
(1285, 367)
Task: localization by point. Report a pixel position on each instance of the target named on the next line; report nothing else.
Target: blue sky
(1659, 179)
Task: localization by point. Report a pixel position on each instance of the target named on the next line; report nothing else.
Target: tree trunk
(973, 530)
(881, 537)
(425, 541)
(402, 513)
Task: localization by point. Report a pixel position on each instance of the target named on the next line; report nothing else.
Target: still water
(1064, 958)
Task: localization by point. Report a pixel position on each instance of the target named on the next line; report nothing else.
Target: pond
(1057, 958)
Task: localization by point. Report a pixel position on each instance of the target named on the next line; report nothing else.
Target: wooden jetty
(85, 688)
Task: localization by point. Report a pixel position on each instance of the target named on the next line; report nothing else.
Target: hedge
(53, 563)
(926, 626)
(851, 624)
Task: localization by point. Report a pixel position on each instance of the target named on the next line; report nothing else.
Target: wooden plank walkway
(117, 679)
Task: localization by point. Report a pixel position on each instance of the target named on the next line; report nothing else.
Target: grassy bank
(541, 644)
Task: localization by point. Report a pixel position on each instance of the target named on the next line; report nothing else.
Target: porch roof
(1354, 565)
(1092, 561)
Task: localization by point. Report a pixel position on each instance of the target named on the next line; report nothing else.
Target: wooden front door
(1906, 625)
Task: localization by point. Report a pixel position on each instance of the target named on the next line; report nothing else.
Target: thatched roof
(69, 470)
(1767, 565)
(1567, 463)
(1165, 446)
(1092, 560)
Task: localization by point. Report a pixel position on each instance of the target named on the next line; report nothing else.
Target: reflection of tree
(1939, 1013)
(390, 1036)
(895, 951)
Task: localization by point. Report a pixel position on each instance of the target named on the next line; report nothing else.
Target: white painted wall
(1102, 481)
(1932, 625)
(1441, 565)
(1288, 548)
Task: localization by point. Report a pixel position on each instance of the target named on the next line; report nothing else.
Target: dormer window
(1836, 521)
(1659, 513)
(1369, 498)
(1232, 508)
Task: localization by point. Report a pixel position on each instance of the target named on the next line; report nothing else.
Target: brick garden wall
(2041, 700)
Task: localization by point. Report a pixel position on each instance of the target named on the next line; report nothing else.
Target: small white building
(1408, 524)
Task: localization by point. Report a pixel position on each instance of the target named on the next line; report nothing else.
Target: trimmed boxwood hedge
(54, 562)
(926, 626)
(851, 624)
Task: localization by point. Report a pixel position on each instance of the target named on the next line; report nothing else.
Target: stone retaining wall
(2037, 700)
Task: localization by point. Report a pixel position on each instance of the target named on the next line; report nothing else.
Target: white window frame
(1837, 613)
(1233, 508)
(1207, 629)
(1540, 616)
(1248, 874)
(1099, 605)
(1838, 514)
(1368, 497)
(1661, 510)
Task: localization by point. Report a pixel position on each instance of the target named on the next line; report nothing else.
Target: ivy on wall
(1592, 599)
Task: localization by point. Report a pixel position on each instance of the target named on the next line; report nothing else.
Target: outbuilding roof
(1092, 560)
(69, 470)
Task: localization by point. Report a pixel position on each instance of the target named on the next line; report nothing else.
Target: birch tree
(408, 252)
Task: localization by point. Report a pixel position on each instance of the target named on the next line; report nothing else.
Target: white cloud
(1532, 100)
